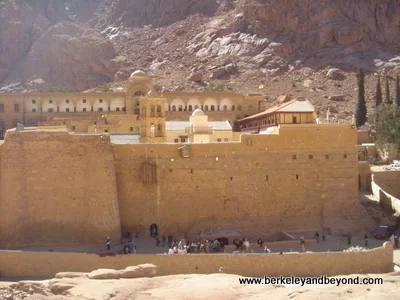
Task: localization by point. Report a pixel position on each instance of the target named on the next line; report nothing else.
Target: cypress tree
(361, 110)
(387, 100)
(378, 100)
(397, 91)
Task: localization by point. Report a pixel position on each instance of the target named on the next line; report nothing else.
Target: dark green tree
(387, 125)
(397, 91)
(387, 99)
(361, 109)
(378, 99)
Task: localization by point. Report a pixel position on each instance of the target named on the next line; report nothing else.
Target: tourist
(266, 250)
(260, 242)
(170, 251)
(108, 244)
(366, 240)
(302, 244)
(316, 237)
(157, 241)
(396, 241)
(170, 241)
(323, 234)
(163, 240)
(349, 239)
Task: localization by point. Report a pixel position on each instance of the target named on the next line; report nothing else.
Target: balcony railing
(199, 130)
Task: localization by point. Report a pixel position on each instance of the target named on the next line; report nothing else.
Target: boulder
(333, 73)
(104, 274)
(229, 68)
(218, 73)
(148, 269)
(196, 77)
(70, 274)
(58, 287)
(131, 272)
(336, 98)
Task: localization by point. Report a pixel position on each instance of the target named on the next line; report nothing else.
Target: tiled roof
(290, 106)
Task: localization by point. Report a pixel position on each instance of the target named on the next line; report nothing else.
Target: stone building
(81, 111)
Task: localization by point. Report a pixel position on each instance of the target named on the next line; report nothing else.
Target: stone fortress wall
(47, 264)
(64, 188)
(57, 188)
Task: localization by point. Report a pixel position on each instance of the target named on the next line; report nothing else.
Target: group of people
(242, 244)
(200, 246)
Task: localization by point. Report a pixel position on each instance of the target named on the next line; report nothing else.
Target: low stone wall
(47, 264)
(272, 245)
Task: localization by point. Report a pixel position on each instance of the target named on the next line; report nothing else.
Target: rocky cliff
(286, 45)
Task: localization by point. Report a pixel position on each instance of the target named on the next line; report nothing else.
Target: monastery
(103, 164)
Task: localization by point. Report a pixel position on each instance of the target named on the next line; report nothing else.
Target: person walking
(302, 244)
(366, 240)
(163, 240)
(108, 244)
(323, 234)
(396, 241)
(349, 239)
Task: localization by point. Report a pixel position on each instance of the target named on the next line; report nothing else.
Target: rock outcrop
(72, 55)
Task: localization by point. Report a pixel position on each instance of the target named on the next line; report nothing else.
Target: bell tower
(138, 85)
(152, 119)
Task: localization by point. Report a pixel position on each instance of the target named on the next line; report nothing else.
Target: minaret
(152, 119)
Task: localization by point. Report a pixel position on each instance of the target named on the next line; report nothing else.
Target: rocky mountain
(287, 46)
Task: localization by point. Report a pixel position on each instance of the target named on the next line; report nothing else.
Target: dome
(137, 73)
(198, 112)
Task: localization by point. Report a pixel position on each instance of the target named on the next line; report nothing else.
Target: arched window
(190, 108)
(196, 107)
(212, 107)
(152, 111)
(250, 107)
(152, 130)
(173, 107)
(239, 108)
(233, 107)
(180, 108)
(158, 111)
(225, 107)
(205, 107)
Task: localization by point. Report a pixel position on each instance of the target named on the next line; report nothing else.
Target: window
(218, 140)
(1, 107)
(205, 107)
(84, 109)
(158, 111)
(117, 109)
(33, 101)
(225, 107)
(176, 141)
(124, 109)
(106, 130)
(100, 109)
(294, 120)
(131, 129)
(180, 108)
(345, 156)
(183, 140)
(152, 130)
(33, 109)
(190, 108)
(196, 107)
(212, 107)
(310, 157)
(294, 156)
(327, 156)
(250, 107)
(266, 178)
(101, 101)
(239, 108)
(67, 110)
(297, 176)
(226, 140)
(173, 107)
(67, 101)
(50, 110)
(50, 101)
(73, 127)
(16, 108)
(233, 107)
(84, 101)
